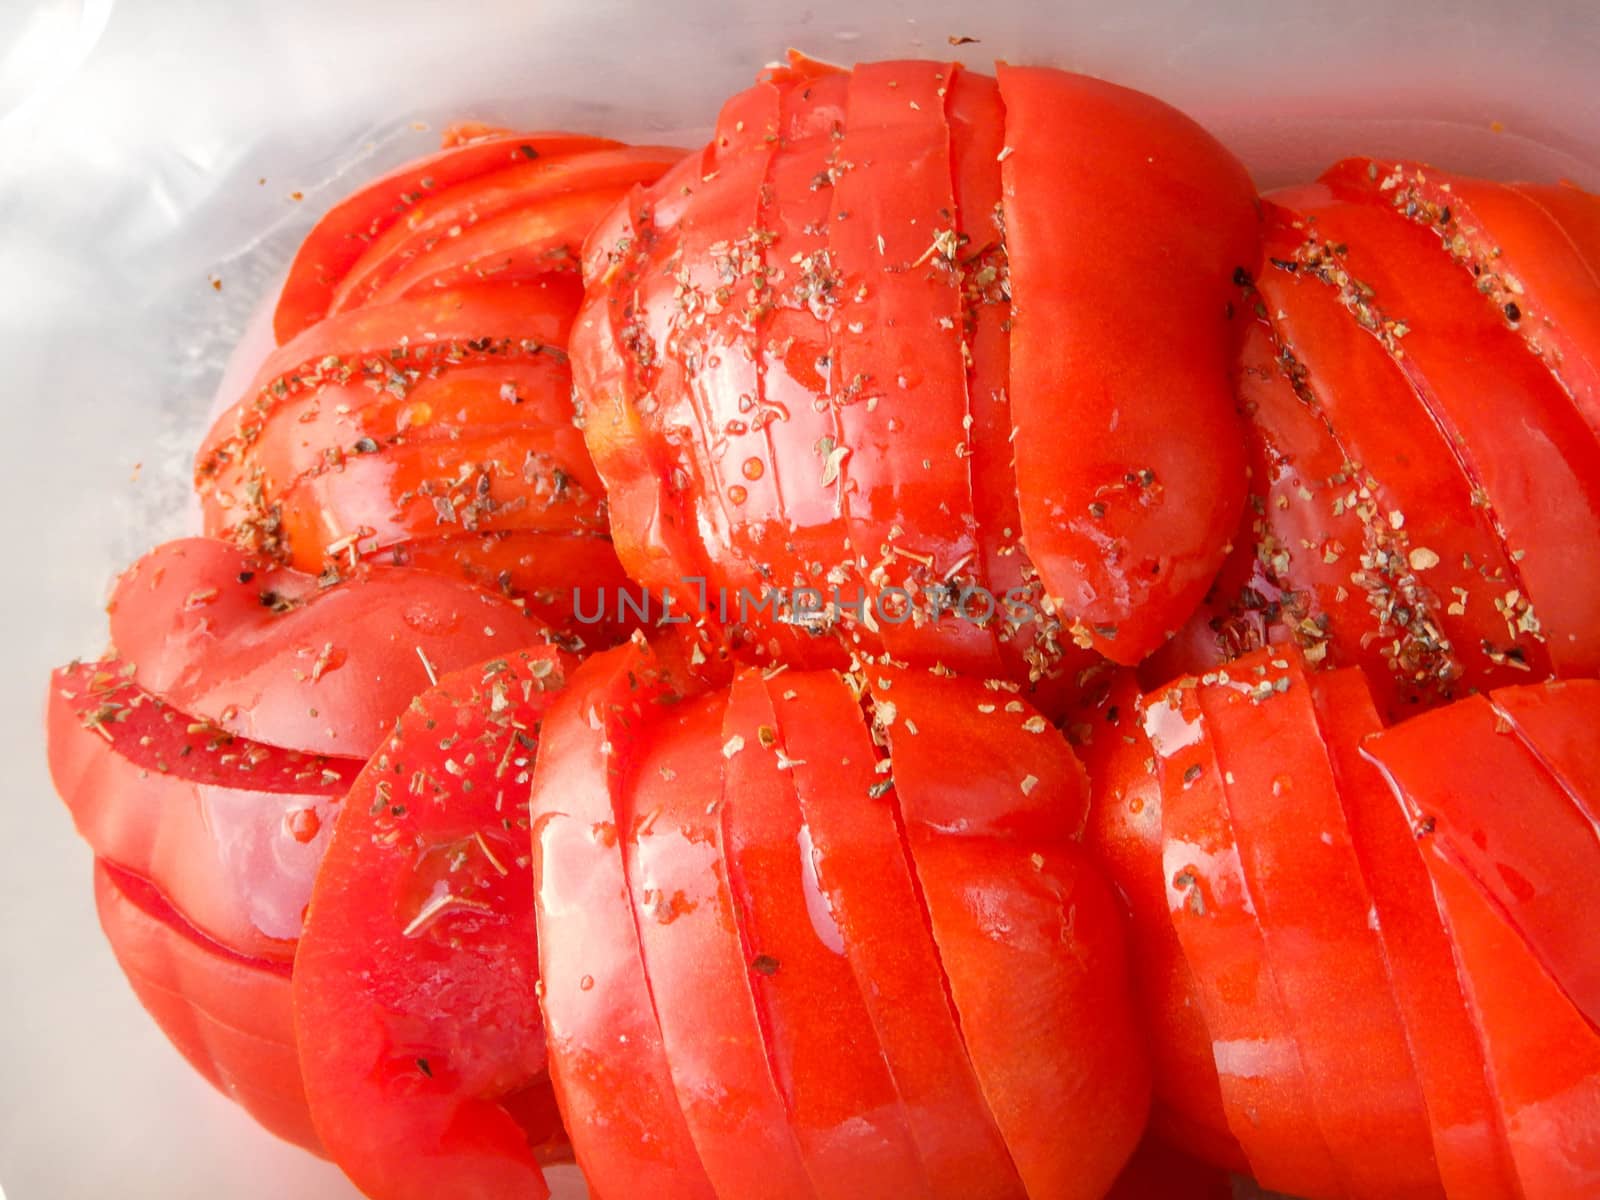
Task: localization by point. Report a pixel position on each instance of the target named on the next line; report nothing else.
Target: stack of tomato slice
(934, 408)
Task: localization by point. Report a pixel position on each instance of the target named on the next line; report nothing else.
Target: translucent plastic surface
(150, 150)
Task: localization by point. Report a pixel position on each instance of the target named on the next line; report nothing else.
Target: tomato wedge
(851, 843)
(695, 961)
(442, 220)
(338, 240)
(607, 1058)
(228, 1015)
(1513, 808)
(1124, 835)
(1520, 255)
(270, 654)
(229, 830)
(414, 985)
(1005, 884)
(1469, 1143)
(1129, 465)
(1266, 1091)
(1317, 922)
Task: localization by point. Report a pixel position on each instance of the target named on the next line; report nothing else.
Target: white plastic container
(151, 147)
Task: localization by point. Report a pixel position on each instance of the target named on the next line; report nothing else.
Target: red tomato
(228, 1015)
(853, 998)
(1396, 523)
(444, 219)
(338, 240)
(414, 985)
(1514, 806)
(275, 656)
(1127, 451)
(785, 359)
(229, 830)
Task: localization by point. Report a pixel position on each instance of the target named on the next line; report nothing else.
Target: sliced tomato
(231, 831)
(1319, 926)
(571, 582)
(849, 1117)
(607, 1058)
(1004, 889)
(1544, 1058)
(228, 1015)
(386, 352)
(1266, 1090)
(1512, 805)
(443, 218)
(1124, 835)
(1129, 464)
(270, 654)
(338, 240)
(851, 843)
(695, 960)
(1520, 256)
(415, 978)
(1469, 1142)
(1514, 431)
(898, 375)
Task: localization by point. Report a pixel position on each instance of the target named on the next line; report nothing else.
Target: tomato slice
(571, 582)
(695, 962)
(1266, 1091)
(442, 219)
(849, 1117)
(338, 240)
(607, 1058)
(1543, 1056)
(1005, 885)
(1531, 268)
(228, 1015)
(1519, 439)
(415, 980)
(387, 348)
(852, 843)
(1031, 639)
(1512, 807)
(1124, 836)
(271, 655)
(898, 376)
(1317, 922)
(1469, 1143)
(1129, 466)
(231, 831)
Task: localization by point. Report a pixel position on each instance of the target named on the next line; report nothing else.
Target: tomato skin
(414, 984)
(339, 239)
(1143, 362)
(231, 832)
(228, 1015)
(268, 654)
